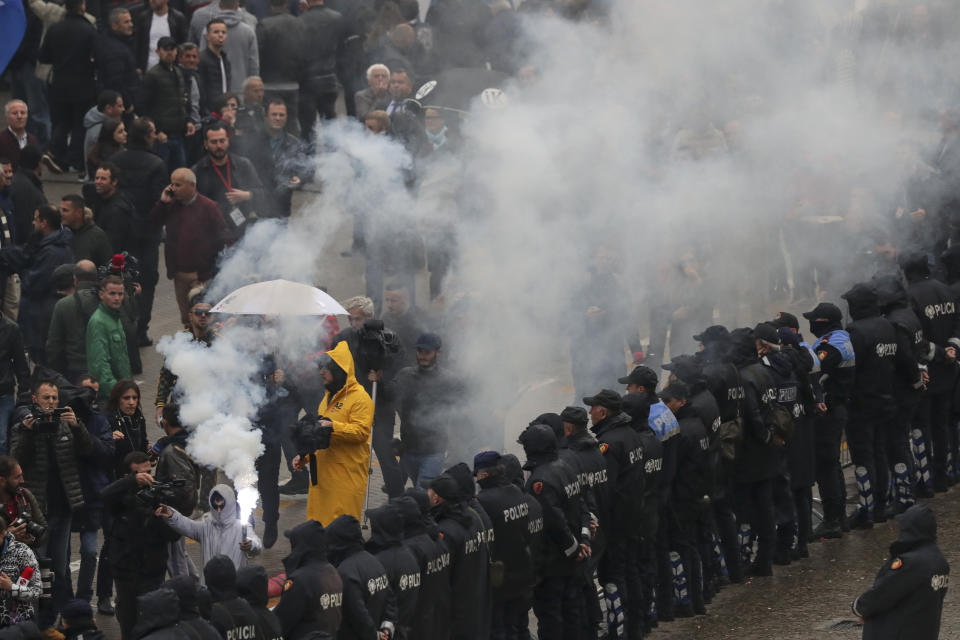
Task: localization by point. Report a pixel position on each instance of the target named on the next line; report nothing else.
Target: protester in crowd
(15, 137)
(279, 159)
(89, 241)
(156, 21)
(107, 357)
(214, 67)
(280, 40)
(66, 348)
(165, 98)
(116, 63)
(112, 210)
(230, 180)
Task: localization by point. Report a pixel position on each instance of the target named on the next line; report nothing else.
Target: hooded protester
(219, 531)
(338, 474)
(252, 587)
(463, 532)
(403, 570)
(935, 305)
(188, 593)
(906, 599)
(422, 537)
(78, 622)
(369, 604)
(912, 349)
(233, 616)
(507, 507)
(757, 465)
(157, 617)
(312, 600)
(873, 405)
(557, 599)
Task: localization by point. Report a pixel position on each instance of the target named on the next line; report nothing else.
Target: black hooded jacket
(368, 601)
(692, 480)
(312, 600)
(252, 586)
(721, 380)
(509, 510)
(912, 345)
(158, 617)
(422, 537)
(231, 615)
(513, 472)
(755, 459)
(875, 344)
(403, 569)
(906, 599)
(936, 306)
(187, 589)
(623, 454)
(584, 454)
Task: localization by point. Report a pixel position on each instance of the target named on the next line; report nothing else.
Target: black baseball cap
(766, 332)
(574, 415)
(715, 333)
(685, 368)
(676, 390)
(642, 376)
(606, 398)
(825, 310)
(428, 341)
(785, 319)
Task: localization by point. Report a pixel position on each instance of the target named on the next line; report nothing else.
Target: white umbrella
(279, 298)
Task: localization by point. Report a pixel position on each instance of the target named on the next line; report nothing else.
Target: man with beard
(312, 601)
(228, 179)
(112, 210)
(339, 472)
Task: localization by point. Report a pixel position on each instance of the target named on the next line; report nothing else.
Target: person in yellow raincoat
(338, 475)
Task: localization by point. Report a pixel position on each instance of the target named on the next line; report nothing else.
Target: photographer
(339, 460)
(17, 603)
(48, 442)
(138, 539)
(174, 465)
(377, 354)
(20, 507)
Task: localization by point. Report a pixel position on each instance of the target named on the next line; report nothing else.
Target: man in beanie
(462, 530)
(312, 602)
(507, 507)
(78, 623)
(558, 598)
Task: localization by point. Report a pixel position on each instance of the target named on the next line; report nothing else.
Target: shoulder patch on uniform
(822, 355)
(538, 488)
(604, 447)
(896, 564)
(287, 585)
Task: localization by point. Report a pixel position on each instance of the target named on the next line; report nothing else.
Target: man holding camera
(138, 539)
(48, 441)
(340, 457)
(27, 522)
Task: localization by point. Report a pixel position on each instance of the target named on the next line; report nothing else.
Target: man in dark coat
(369, 604)
(252, 584)
(231, 615)
(312, 601)
(321, 63)
(229, 179)
(26, 193)
(403, 570)
(116, 65)
(187, 589)
(71, 47)
(143, 175)
(165, 97)
(156, 11)
(281, 47)
(112, 209)
(906, 599)
(157, 617)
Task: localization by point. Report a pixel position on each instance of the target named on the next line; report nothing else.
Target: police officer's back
(157, 617)
(187, 588)
(312, 602)
(906, 599)
(231, 615)
(403, 569)
(252, 586)
(585, 455)
(875, 343)
(369, 604)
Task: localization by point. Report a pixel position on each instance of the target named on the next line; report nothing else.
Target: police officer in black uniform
(906, 599)
(912, 348)
(558, 599)
(231, 615)
(936, 306)
(369, 604)
(510, 550)
(872, 405)
(312, 602)
(403, 570)
(837, 360)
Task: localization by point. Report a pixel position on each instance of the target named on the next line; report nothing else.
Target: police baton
(366, 497)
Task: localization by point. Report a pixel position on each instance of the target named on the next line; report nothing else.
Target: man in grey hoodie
(241, 46)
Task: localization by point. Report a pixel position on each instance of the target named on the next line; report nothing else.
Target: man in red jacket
(196, 232)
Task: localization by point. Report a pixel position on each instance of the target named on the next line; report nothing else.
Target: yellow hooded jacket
(340, 482)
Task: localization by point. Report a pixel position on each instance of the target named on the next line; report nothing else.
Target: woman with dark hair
(112, 138)
(126, 418)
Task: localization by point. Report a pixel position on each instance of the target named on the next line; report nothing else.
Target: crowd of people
(187, 123)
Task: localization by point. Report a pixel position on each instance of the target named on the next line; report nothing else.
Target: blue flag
(13, 23)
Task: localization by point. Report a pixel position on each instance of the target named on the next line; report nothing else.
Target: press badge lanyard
(228, 182)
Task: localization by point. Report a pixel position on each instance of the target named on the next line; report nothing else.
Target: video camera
(32, 529)
(377, 344)
(309, 435)
(160, 493)
(47, 421)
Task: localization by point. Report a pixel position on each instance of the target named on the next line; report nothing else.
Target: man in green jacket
(107, 358)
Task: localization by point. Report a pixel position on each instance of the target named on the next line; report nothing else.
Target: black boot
(269, 534)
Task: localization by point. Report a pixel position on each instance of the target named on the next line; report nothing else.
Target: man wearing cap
(623, 454)
(837, 360)
(165, 98)
(507, 507)
(426, 396)
(557, 599)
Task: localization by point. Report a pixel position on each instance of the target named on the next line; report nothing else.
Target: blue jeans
(6, 406)
(422, 468)
(93, 519)
(57, 549)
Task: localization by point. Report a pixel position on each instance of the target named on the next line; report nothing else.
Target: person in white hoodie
(218, 531)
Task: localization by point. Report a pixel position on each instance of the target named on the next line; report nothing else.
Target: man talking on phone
(196, 232)
(48, 441)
